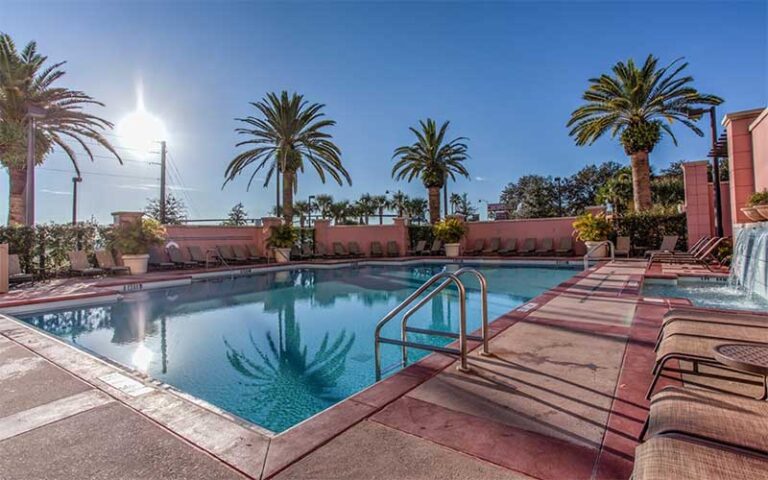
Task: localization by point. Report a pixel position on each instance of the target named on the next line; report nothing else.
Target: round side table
(747, 357)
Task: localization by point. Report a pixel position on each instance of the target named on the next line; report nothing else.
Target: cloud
(56, 192)
(136, 187)
(479, 179)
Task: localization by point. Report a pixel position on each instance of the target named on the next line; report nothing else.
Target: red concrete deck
(562, 396)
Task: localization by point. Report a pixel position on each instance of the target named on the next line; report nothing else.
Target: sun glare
(140, 130)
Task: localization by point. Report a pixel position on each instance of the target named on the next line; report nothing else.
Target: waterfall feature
(749, 266)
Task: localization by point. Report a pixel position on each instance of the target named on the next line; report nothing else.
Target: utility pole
(75, 181)
(162, 182)
(716, 175)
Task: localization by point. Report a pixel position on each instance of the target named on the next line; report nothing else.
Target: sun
(140, 130)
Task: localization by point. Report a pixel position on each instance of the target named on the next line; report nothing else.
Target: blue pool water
(712, 295)
(276, 348)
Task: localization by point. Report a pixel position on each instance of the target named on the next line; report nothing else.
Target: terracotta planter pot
(452, 249)
(752, 214)
(137, 263)
(600, 252)
(762, 210)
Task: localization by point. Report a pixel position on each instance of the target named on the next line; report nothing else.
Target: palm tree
(380, 203)
(454, 201)
(398, 202)
(323, 205)
(433, 159)
(365, 207)
(340, 211)
(416, 209)
(303, 209)
(290, 133)
(25, 82)
(639, 104)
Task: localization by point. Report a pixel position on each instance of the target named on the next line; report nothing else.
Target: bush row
(647, 228)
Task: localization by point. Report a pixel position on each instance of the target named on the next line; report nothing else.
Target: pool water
(718, 295)
(276, 348)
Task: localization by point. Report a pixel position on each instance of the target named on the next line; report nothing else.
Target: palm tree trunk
(434, 204)
(288, 180)
(381, 215)
(641, 180)
(17, 203)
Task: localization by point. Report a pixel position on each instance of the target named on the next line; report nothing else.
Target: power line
(96, 173)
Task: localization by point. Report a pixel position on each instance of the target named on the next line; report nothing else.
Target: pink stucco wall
(700, 202)
(740, 163)
(326, 235)
(759, 133)
(538, 228)
(208, 237)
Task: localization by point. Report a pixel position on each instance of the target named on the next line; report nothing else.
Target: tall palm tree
(323, 205)
(433, 159)
(303, 209)
(398, 202)
(380, 203)
(365, 207)
(639, 104)
(289, 133)
(416, 209)
(454, 201)
(25, 81)
(340, 211)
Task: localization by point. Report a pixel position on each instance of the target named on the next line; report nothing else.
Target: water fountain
(750, 260)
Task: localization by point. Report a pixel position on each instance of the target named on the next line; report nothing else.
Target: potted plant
(281, 239)
(450, 231)
(133, 240)
(757, 208)
(593, 229)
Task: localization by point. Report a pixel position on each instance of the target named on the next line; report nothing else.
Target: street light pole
(33, 113)
(309, 216)
(163, 199)
(716, 175)
(75, 181)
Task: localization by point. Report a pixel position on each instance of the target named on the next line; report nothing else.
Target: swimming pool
(708, 294)
(275, 348)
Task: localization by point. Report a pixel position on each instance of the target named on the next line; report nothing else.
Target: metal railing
(450, 278)
(595, 247)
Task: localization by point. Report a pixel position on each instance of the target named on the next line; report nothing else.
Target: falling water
(749, 268)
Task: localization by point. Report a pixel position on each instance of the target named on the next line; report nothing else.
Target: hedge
(42, 249)
(417, 233)
(647, 228)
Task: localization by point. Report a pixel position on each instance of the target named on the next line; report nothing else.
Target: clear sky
(507, 75)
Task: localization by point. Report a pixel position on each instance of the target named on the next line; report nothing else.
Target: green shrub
(282, 236)
(135, 238)
(450, 230)
(592, 228)
(416, 233)
(648, 228)
(758, 198)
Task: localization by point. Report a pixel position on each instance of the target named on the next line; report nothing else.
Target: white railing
(595, 247)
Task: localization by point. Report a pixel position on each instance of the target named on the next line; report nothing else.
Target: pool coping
(284, 448)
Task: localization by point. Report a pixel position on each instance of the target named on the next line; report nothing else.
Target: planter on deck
(137, 263)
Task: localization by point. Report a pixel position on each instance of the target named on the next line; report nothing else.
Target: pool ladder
(448, 279)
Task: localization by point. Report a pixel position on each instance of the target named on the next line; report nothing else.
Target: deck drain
(125, 384)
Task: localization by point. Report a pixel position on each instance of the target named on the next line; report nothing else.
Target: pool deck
(561, 396)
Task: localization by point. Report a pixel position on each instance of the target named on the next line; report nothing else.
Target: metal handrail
(483, 309)
(595, 247)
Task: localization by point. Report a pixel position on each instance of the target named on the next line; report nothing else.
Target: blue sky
(507, 75)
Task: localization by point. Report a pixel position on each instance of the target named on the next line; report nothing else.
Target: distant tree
(365, 208)
(462, 205)
(323, 205)
(380, 203)
(433, 159)
(303, 209)
(617, 191)
(416, 209)
(398, 202)
(175, 209)
(237, 217)
(341, 212)
(532, 196)
(580, 189)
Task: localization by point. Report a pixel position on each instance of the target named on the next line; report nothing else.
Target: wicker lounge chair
(158, 258)
(565, 247)
(321, 251)
(547, 247)
(15, 274)
(509, 247)
(493, 246)
(697, 316)
(669, 457)
(668, 244)
(623, 246)
(730, 420)
(178, 259)
(254, 255)
(106, 262)
(227, 254)
(421, 245)
(435, 249)
(354, 250)
(79, 264)
(339, 251)
(477, 247)
(376, 250)
(704, 257)
(392, 249)
(196, 254)
(528, 247)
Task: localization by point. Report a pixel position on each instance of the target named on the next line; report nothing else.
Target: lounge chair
(392, 249)
(565, 247)
(79, 264)
(493, 246)
(321, 251)
(670, 457)
(197, 255)
(421, 245)
(354, 250)
(695, 250)
(726, 419)
(339, 251)
(15, 274)
(306, 251)
(106, 262)
(227, 254)
(376, 250)
(528, 247)
(254, 255)
(547, 247)
(623, 246)
(178, 259)
(158, 258)
(712, 317)
(705, 257)
(668, 245)
(435, 249)
(477, 247)
(509, 247)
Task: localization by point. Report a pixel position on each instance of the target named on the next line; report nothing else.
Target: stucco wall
(326, 235)
(538, 228)
(759, 131)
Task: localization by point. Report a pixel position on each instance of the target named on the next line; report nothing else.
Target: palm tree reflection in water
(284, 380)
